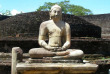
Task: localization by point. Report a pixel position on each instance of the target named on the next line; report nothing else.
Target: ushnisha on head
(56, 12)
(55, 6)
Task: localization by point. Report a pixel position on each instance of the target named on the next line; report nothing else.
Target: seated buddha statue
(59, 37)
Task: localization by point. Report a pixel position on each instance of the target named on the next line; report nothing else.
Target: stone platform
(50, 65)
(56, 68)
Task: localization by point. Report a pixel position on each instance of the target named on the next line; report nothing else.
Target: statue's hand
(54, 49)
(51, 48)
(59, 49)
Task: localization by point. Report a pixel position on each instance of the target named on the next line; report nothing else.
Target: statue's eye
(54, 11)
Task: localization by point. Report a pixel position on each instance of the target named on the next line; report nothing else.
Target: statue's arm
(42, 35)
(67, 37)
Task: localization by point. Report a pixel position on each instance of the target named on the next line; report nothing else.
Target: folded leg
(40, 53)
(75, 53)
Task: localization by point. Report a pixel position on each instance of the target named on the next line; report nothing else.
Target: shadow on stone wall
(2, 17)
(101, 20)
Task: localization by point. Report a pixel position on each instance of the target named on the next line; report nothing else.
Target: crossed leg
(41, 52)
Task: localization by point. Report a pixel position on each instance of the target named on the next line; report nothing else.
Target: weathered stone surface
(104, 65)
(58, 68)
(58, 33)
(40, 53)
(27, 25)
(102, 20)
(89, 46)
(55, 60)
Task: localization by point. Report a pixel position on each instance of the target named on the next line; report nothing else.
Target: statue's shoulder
(65, 23)
(46, 22)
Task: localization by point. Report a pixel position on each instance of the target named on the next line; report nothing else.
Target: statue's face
(56, 13)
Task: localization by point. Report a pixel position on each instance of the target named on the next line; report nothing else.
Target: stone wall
(89, 46)
(21, 31)
(2, 17)
(5, 69)
(102, 20)
(27, 25)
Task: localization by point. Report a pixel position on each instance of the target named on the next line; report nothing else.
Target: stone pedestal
(49, 65)
(56, 68)
(55, 60)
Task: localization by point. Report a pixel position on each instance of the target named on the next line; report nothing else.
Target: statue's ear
(49, 11)
(50, 14)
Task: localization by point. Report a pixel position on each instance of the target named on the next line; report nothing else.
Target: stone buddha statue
(59, 37)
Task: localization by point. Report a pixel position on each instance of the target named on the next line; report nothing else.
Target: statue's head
(56, 12)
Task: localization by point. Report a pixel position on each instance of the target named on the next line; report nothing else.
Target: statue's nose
(56, 13)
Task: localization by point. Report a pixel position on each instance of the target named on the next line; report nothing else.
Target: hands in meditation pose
(59, 37)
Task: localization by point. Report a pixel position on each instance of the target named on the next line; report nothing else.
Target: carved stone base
(54, 60)
(56, 68)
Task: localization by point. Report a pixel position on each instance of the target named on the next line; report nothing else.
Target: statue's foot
(71, 53)
(75, 53)
(63, 53)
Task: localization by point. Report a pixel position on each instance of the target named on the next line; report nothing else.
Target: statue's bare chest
(56, 30)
